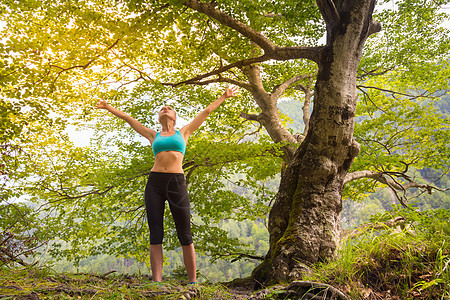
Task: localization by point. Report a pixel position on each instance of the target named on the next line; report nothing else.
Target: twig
(396, 93)
(240, 256)
(110, 272)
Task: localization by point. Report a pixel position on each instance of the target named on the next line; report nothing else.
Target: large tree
(66, 53)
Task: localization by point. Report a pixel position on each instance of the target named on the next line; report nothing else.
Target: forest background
(86, 201)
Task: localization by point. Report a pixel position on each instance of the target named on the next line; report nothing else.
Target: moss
(261, 273)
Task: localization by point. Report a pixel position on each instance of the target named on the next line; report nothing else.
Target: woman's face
(168, 112)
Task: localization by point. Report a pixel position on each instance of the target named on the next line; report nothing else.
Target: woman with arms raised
(166, 180)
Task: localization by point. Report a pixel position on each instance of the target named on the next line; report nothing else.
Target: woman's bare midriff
(168, 162)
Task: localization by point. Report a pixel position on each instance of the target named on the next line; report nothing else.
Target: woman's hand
(102, 104)
(231, 91)
(187, 130)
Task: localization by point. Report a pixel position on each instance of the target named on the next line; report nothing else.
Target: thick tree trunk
(304, 223)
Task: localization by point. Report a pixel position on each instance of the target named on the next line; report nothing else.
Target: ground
(32, 283)
(35, 283)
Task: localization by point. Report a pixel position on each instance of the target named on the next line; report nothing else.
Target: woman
(166, 180)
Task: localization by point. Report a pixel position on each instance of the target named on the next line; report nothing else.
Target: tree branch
(250, 117)
(396, 93)
(142, 74)
(288, 53)
(361, 174)
(81, 66)
(329, 12)
(271, 51)
(11, 257)
(239, 64)
(220, 78)
(367, 96)
(374, 72)
(253, 35)
(281, 53)
(374, 27)
(240, 256)
(279, 89)
(86, 64)
(307, 106)
(65, 196)
(389, 179)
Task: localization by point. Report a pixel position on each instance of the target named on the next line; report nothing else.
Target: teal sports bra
(174, 142)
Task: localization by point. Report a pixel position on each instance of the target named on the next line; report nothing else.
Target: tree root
(304, 290)
(315, 290)
(190, 293)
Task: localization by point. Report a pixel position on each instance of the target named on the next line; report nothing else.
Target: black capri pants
(171, 187)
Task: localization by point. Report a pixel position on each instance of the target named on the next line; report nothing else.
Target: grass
(410, 261)
(46, 284)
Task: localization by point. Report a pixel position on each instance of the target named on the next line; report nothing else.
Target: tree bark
(304, 223)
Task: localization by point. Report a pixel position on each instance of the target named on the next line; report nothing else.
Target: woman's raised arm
(201, 117)
(148, 133)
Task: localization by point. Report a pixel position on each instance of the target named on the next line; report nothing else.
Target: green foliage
(412, 42)
(409, 260)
